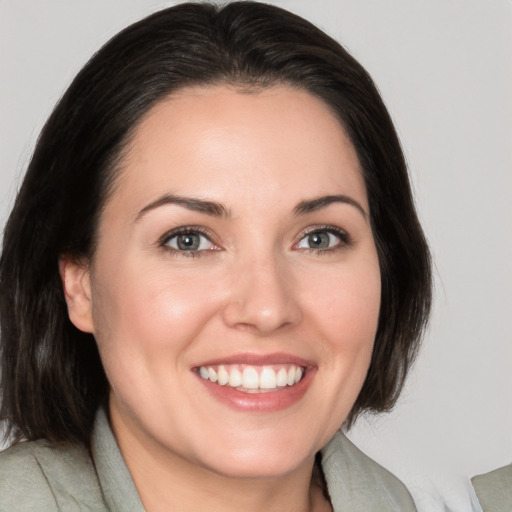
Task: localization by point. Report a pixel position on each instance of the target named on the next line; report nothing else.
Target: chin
(258, 456)
(262, 466)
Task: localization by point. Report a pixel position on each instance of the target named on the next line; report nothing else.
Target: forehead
(235, 146)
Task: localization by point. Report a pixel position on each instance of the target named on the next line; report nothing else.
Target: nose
(262, 298)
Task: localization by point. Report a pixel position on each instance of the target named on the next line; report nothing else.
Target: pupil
(188, 242)
(317, 240)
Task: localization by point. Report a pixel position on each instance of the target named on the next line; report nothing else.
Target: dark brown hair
(52, 377)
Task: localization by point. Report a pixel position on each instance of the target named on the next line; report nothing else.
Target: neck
(165, 481)
(178, 491)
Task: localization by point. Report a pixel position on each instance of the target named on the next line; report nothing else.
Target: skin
(254, 287)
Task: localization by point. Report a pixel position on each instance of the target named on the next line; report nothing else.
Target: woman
(213, 263)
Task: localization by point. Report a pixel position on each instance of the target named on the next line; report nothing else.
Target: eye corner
(195, 241)
(324, 238)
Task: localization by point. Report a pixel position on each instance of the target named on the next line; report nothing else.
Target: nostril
(264, 317)
(262, 299)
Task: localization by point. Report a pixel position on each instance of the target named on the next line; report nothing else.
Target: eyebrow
(322, 202)
(216, 209)
(211, 208)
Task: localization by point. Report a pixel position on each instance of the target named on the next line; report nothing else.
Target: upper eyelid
(186, 229)
(344, 236)
(327, 227)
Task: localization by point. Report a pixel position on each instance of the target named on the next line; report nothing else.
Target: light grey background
(444, 69)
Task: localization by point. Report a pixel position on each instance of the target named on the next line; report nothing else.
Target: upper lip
(253, 359)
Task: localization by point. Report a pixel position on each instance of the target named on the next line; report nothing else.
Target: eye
(188, 240)
(323, 239)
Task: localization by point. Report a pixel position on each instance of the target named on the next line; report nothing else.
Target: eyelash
(345, 239)
(163, 242)
(185, 230)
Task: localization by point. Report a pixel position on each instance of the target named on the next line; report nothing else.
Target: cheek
(344, 304)
(140, 309)
(346, 307)
(145, 322)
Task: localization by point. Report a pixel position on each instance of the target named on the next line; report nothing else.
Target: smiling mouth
(253, 379)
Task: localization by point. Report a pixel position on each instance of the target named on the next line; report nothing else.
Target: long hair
(52, 376)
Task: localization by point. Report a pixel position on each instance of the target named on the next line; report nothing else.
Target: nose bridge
(262, 295)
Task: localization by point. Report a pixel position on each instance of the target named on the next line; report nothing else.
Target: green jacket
(36, 476)
(494, 490)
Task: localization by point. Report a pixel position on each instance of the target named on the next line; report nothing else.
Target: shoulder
(39, 476)
(357, 483)
(494, 489)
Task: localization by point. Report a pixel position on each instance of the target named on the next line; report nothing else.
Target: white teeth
(291, 376)
(282, 377)
(222, 375)
(212, 375)
(253, 379)
(268, 379)
(235, 378)
(250, 378)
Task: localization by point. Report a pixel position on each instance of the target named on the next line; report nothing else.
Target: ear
(75, 277)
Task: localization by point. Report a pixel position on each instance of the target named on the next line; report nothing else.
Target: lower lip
(272, 401)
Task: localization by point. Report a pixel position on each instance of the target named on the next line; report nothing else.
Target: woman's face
(235, 289)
